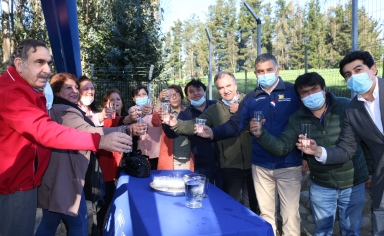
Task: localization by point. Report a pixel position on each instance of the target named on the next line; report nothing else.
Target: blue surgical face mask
(142, 101)
(228, 103)
(267, 80)
(314, 101)
(360, 83)
(199, 102)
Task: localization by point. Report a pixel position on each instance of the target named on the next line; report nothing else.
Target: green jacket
(339, 176)
(234, 152)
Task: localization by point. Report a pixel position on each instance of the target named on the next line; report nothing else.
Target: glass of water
(126, 130)
(305, 130)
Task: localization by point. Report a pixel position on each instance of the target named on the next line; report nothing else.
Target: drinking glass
(200, 125)
(112, 105)
(139, 111)
(259, 116)
(124, 129)
(305, 129)
(166, 108)
(140, 120)
(194, 190)
(168, 97)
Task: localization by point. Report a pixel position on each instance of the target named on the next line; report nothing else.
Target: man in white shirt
(363, 122)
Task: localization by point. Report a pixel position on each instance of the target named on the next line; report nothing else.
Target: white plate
(170, 191)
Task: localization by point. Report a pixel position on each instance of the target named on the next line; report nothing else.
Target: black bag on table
(135, 164)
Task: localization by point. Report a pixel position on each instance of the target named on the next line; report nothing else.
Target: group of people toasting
(49, 135)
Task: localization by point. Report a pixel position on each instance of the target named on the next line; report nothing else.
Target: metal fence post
(258, 27)
(210, 65)
(246, 81)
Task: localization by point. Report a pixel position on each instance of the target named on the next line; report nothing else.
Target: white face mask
(86, 101)
(48, 94)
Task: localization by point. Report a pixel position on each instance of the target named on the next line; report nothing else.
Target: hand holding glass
(165, 108)
(305, 131)
(200, 125)
(259, 116)
(124, 129)
(142, 122)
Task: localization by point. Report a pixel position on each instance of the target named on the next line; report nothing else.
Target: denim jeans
(76, 226)
(238, 184)
(213, 174)
(378, 219)
(349, 201)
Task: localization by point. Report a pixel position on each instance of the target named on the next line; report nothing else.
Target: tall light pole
(258, 27)
(355, 32)
(150, 73)
(355, 19)
(210, 65)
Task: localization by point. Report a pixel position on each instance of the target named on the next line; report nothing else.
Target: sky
(183, 9)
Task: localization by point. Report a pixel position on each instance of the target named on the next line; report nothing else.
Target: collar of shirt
(174, 112)
(373, 108)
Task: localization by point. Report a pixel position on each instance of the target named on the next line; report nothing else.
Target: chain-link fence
(124, 80)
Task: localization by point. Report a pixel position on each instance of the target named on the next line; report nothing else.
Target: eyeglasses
(174, 95)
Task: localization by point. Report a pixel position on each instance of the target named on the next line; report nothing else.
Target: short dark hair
(308, 79)
(21, 50)
(220, 74)
(84, 78)
(59, 79)
(365, 56)
(178, 89)
(266, 57)
(195, 83)
(136, 89)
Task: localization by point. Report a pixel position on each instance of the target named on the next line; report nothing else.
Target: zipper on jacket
(272, 112)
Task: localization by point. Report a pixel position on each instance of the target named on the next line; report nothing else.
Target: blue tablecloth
(138, 210)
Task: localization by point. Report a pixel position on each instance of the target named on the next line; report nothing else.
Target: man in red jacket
(28, 134)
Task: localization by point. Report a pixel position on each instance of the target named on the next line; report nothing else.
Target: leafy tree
(221, 23)
(20, 20)
(369, 34)
(202, 52)
(298, 43)
(267, 31)
(338, 36)
(315, 32)
(190, 36)
(126, 35)
(176, 53)
(284, 27)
